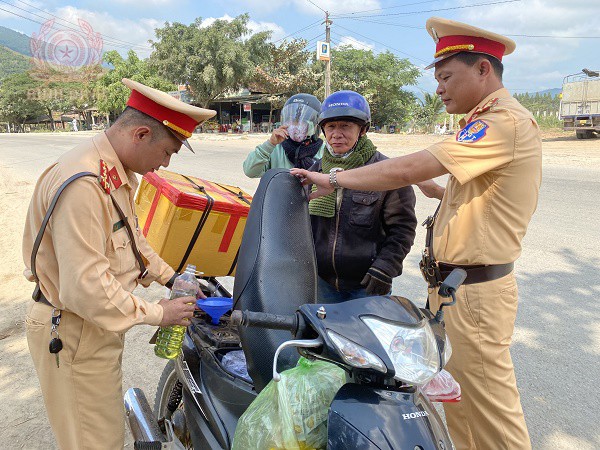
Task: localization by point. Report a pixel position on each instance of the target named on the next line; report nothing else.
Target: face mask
(298, 132)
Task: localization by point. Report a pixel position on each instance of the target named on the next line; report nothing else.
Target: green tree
(210, 60)
(17, 103)
(111, 94)
(380, 78)
(285, 72)
(429, 110)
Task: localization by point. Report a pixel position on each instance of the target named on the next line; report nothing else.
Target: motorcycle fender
(366, 418)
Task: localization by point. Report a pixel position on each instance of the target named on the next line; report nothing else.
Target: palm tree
(432, 106)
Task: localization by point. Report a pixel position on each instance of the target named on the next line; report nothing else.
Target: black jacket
(369, 229)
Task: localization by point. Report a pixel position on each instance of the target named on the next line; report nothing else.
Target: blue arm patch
(473, 132)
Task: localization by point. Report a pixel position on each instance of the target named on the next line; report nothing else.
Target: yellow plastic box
(189, 220)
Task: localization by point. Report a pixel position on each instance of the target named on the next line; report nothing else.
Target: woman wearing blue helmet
(361, 237)
(295, 143)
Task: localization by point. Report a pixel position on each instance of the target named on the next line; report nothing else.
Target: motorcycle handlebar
(264, 320)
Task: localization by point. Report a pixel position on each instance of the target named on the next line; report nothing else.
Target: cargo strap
(238, 194)
(209, 205)
(37, 293)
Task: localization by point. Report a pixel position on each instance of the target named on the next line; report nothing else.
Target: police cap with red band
(453, 37)
(180, 118)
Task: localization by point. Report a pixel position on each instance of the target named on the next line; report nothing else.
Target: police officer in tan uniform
(494, 167)
(90, 259)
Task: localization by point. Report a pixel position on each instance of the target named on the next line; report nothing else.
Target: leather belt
(478, 273)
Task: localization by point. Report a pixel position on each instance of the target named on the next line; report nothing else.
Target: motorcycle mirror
(449, 286)
(452, 282)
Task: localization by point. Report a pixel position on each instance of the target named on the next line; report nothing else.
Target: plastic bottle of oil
(170, 339)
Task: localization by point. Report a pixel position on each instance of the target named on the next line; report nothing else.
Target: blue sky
(554, 38)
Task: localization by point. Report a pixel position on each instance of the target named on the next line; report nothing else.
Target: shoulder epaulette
(483, 108)
(103, 177)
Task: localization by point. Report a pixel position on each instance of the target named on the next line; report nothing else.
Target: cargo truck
(580, 103)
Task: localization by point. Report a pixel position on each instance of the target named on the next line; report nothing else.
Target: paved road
(557, 340)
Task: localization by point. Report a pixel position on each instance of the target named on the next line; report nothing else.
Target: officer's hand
(279, 135)
(178, 311)
(431, 189)
(320, 180)
(377, 282)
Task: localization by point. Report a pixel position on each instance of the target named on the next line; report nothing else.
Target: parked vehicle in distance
(580, 103)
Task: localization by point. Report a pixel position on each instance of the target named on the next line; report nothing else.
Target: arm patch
(473, 132)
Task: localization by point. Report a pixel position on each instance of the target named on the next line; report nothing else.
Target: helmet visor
(300, 119)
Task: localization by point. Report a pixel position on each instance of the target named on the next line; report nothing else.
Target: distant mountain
(12, 62)
(553, 92)
(14, 40)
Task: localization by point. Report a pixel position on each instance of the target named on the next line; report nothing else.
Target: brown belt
(478, 273)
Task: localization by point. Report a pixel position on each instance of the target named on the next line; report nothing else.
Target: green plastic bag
(291, 414)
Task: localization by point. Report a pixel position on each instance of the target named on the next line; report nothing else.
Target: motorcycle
(388, 347)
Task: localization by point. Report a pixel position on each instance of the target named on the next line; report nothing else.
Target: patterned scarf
(302, 154)
(364, 151)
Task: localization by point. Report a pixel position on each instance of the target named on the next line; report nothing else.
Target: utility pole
(328, 62)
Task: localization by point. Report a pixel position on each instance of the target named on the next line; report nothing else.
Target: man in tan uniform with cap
(89, 260)
(494, 163)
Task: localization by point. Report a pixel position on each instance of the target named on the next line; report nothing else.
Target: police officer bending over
(89, 259)
(494, 163)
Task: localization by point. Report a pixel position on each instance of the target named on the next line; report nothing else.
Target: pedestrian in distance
(295, 143)
(361, 237)
(494, 166)
(89, 259)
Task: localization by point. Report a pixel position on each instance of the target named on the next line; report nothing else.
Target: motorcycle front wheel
(168, 404)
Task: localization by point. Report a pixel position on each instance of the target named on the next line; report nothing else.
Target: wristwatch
(333, 177)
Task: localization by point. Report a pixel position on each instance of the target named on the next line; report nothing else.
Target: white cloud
(355, 43)
(117, 34)
(255, 27)
(147, 2)
(542, 62)
(304, 6)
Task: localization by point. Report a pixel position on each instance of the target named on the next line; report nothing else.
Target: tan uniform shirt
(495, 165)
(85, 262)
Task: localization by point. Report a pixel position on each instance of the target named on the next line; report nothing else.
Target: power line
(552, 37)
(113, 42)
(435, 10)
(312, 3)
(389, 7)
(381, 43)
(356, 19)
(312, 25)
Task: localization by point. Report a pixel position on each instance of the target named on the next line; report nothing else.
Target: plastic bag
(442, 388)
(291, 414)
(235, 362)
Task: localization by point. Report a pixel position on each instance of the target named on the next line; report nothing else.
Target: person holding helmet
(361, 237)
(295, 143)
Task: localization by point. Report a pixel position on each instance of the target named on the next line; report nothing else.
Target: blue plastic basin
(215, 307)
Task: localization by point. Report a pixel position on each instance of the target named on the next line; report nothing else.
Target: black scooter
(387, 346)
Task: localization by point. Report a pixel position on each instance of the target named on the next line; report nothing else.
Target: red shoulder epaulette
(103, 177)
(483, 108)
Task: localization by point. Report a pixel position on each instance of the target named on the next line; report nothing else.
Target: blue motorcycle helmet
(346, 105)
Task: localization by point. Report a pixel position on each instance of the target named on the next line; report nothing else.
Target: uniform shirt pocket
(363, 210)
(120, 252)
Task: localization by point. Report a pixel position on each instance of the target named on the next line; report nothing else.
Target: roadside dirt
(22, 417)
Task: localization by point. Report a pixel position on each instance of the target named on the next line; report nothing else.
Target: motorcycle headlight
(413, 351)
(355, 355)
(447, 351)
